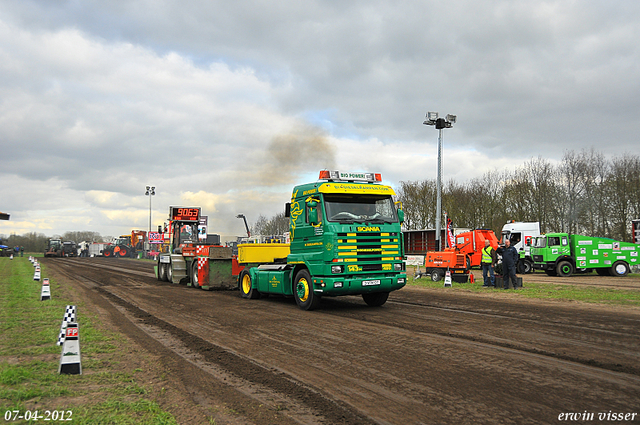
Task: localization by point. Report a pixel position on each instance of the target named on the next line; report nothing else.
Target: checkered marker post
(69, 317)
(70, 357)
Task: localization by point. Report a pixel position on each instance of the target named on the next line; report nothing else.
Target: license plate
(370, 282)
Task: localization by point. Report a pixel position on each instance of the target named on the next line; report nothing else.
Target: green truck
(345, 239)
(561, 254)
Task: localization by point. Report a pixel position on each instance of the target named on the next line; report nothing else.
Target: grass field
(585, 293)
(106, 392)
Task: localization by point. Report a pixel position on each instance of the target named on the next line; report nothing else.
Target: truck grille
(368, 247)
(537, 259)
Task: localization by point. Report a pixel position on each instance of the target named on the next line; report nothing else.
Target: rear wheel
(619, 269)
(169, 270)
(564, 269)
(245, 284)
(124, 252)
(303, 292)
(436, 275)
(376, 299)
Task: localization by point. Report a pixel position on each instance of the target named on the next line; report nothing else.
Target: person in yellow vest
(488, 261)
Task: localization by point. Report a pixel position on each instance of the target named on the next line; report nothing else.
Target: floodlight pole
(151, 190)
(440, 124)
(439, 192)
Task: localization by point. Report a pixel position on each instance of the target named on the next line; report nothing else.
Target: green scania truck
(345, 239)
(561, 254)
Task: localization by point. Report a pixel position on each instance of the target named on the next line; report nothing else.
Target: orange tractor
(126, 245)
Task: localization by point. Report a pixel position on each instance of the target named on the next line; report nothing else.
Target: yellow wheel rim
(303, 289)
(246, 284)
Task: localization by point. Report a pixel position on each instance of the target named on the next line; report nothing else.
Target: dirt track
(427, 356)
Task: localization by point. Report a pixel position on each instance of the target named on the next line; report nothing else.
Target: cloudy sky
(227, 104)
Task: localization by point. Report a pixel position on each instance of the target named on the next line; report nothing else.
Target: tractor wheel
(303, 292)
(162, 273)
(169, 270)
(194, 274)
(124, 252)
(107, 253)
(564, 269)
(376, 299)
(619, 269)
(436, 275)
(245, 286)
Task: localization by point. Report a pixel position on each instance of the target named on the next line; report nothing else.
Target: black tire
(194, 274)
(245, 286)
(169, 271)
(468, 262)
(123, 253)
(525, 267)
(162, 273)
(436, 275)
(303, 292)
(619, 269)
(376, 299)
(564, 269)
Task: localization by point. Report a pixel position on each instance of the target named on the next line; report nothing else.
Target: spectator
(488, 262)
(510, 258)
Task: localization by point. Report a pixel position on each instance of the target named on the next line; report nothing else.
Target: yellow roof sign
(369, 189)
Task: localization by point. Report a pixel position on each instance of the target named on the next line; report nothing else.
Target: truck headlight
(397, 267)
(337, 269)
(337, 285)
(401, 280)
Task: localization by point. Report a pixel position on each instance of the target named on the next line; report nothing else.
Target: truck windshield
(360, 209)
(540, 242)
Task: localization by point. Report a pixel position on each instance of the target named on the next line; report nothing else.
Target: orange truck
(458, 260)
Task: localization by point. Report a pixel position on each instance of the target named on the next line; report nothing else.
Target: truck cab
(521, 236)
(345, 240)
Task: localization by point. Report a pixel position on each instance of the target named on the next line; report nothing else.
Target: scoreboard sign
(185, 214)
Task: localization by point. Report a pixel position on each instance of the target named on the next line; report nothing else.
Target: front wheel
(564, 269)
(376, 299)
(245, 285)
(525, 267)
(194, 274)
(303, 291)
(619, 269)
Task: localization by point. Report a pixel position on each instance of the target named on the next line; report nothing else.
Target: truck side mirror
(400, 212)
(313, 213)
(287, 209)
